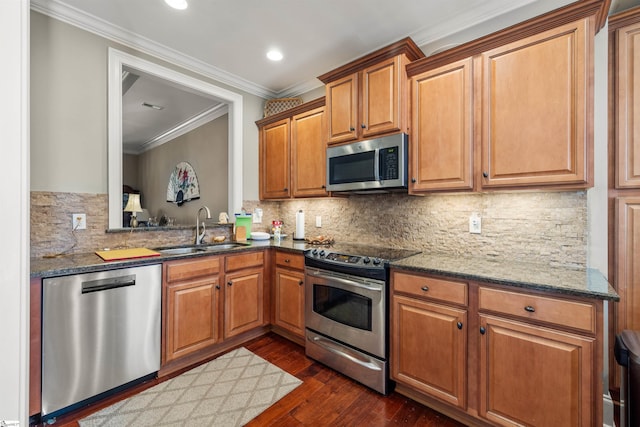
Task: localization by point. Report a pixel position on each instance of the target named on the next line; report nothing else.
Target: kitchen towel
(299, 235)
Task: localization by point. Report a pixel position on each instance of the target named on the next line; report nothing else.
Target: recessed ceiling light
(177, 4)
(274, 55)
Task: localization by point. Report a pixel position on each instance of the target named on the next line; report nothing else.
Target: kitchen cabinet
(275, 169)
(469, 349)
(289, 294)
(627, 100)
(442, 128)
(191, 299)
(244, 307)
(293, 153)
(627, 238)
(368, 97)
(537, 109)
(513, 109)
(561, 354)
(429, 336)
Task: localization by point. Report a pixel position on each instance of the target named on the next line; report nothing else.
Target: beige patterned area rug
(228, 391)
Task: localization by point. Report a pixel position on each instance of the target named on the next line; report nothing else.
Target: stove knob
(366, 260)
(314, 252)
(322, 252)
(376, 261)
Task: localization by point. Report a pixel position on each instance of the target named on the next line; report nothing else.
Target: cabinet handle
(301, 282)
(482, 330)
(485, 174)
(413, 180)
(425, 288)
(530, 309)
(229, 283)
(459, 324)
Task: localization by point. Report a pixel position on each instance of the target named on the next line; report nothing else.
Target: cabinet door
(192, 316)
(244, 302)
(535, 376)
(342, 109)
(627, 77)
(289, 307)
(309, 154)
(428, 348)
(442, 138)
(381, 98)
(274, 161)
(628, 265)
(537, 101)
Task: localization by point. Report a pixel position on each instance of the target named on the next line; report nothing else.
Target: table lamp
(133, 206)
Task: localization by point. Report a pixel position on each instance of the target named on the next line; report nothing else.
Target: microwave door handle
(376, 165)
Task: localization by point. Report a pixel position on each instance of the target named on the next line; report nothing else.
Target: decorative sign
(183, 184)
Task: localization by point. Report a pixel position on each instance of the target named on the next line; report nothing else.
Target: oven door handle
(344, 352)
(343, 281)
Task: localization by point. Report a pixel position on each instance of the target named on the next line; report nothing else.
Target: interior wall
(130, 171)
(205, 149)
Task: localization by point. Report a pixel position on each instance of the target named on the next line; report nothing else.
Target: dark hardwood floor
(325, 397)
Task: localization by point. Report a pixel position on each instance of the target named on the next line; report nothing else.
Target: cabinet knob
(324, 186)
(217, 286)
(482, 330)
(530, 309)
(459, 325)
(286, 189)
(287, 260)
(425, 288)
(301, 282)
(485, 174)
(363, 126)
(351, 129)
(413, 180)
(229, 283)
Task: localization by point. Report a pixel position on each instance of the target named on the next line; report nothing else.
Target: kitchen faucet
(200, 236)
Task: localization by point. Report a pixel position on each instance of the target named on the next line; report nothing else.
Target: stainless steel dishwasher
(99, 331)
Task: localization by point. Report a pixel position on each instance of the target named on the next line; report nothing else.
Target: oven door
(347, 308)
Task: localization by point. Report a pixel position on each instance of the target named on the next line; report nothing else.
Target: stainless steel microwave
(375, 164)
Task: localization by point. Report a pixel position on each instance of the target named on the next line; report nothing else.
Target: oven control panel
(362, 261)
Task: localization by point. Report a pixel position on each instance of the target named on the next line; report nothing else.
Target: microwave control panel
(388, 163)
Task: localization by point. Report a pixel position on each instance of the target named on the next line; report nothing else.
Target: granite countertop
(586, 282)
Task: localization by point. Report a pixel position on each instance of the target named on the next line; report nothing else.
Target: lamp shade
(133, 204)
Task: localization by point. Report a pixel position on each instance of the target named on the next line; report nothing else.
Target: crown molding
(72, 16)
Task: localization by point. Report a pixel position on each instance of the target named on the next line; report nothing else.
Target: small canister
(276, 228)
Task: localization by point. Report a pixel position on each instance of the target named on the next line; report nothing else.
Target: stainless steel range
(346, 310)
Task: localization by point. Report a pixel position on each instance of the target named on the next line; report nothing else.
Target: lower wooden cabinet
(243, 301)
(429, 348)
(535, 376)
(288, 305)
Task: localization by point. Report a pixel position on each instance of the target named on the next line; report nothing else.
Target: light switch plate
(475, 224)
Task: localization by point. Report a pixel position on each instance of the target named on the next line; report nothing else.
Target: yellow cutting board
(120, 254)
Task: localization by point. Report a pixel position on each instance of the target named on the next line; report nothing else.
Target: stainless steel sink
(199, 249)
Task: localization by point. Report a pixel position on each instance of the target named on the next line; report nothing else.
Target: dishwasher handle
(106, 284)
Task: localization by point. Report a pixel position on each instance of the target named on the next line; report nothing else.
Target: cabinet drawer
(430, 287)
(571, 314)
(237, 262)
(191, 268)
(288, 259)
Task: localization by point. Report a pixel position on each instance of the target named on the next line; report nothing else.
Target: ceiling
(228, 40)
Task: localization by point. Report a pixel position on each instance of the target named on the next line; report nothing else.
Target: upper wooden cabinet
(368, 97)
(513, 109)
(626, 74)
(537, 109)
(293, 153)
(442, 128)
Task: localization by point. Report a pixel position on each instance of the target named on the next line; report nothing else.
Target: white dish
(259, 235)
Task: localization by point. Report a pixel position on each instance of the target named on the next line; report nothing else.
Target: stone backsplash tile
(541, 227)
(51, 226)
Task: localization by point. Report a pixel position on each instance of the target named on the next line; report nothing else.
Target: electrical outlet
(475, 224)
(318, 221)
(79, 221)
